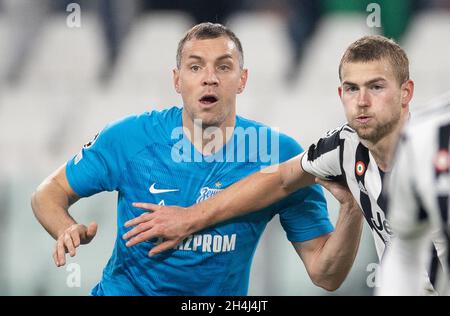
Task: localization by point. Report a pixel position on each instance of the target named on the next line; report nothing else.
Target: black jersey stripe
(443, 205)
(432, 270)
(435, 266)
(447, 238)
(341, 159)
(362, 155)
(324, 145)
(444, 137)
(443, 200)
(444, 144)
(422, 215)
(340, 178)
(382, 200)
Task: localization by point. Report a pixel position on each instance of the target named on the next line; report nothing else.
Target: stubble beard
(374, 134)
(211, 119)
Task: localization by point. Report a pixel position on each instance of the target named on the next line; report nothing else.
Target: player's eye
(351, 88)
(224, 67)
(377, 87)
(195, 68)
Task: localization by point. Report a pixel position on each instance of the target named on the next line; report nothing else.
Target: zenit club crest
(206, 193)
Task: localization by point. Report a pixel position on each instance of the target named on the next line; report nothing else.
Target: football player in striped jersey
(419, 190)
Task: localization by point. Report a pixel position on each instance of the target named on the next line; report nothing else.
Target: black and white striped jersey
(340, 156)
(419, 191)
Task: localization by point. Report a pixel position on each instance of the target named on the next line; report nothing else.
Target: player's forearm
(50, 205)
(334, 261)
(252, 193)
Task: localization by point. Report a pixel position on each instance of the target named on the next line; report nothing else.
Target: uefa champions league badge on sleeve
(91, 142)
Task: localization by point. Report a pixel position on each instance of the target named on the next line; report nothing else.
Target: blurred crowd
(117, 18)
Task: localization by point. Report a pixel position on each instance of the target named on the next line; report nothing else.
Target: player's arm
(253, 193)
(50, 203)
(250, 194)
(329, 258)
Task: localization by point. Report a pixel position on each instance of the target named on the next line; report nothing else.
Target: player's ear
(340, 91)
(176, 80)
(407, 91)
(243, 80)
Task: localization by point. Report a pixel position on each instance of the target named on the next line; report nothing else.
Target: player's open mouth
(208, 99)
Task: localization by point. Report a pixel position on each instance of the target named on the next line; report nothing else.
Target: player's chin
(211, 122)
(364, 131)
(369, 135)
(210, 118)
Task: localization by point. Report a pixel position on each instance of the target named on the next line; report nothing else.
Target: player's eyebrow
(374, 80)
(225, 56)
(222, 57)
(195, 57)
(367, 83)
(347, 84)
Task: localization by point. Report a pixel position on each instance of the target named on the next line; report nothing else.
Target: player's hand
(339, 191)
(168, 222)
(70, 239)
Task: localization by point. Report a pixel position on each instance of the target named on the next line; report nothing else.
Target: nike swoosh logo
(153, 190)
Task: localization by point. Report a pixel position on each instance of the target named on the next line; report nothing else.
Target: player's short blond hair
(209, 30)
(376, 47)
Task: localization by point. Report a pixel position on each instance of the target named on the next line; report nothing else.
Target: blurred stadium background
(60, 85)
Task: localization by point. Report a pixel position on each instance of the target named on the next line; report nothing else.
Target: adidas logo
(362, 188)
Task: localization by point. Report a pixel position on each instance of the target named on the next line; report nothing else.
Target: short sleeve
(99, 164)
(303, 214)
(323, 158)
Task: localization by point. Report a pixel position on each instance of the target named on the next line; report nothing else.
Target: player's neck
(383, 151)
(209, 139)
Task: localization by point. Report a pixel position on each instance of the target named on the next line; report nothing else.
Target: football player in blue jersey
(375, 91)
(182, 156)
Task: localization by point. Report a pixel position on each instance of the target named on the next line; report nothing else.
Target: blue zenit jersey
(148, 158)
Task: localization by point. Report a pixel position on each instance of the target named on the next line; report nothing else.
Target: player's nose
(363, 98)
(210, 77)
